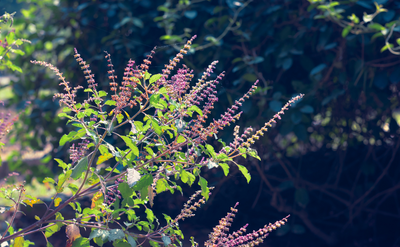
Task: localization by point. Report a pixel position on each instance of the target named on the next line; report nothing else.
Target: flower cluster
(167, 143)
(76, 153)
(68, 98)
(113, 192)
(260, 132)
(6, 122)
(190, 206)
(219, 236)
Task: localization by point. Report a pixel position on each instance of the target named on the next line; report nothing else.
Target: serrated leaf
(120, 117)
(245, 172)
(61, 180)
(116, 234)
(131, 241)
(187, 177)
(81, 242)
(80, 168)
(346, 31)
(131, 145)
(161, 185)
(19, 242)
(66, 138)
(196, 109)
(166, 240)
(205, 191)
(180, 139)
(102, 93)
(154, 78)
(225, 168)
(57, 201)
(211, 151)
(54, 228)
(156, 127)
(33, 201)
(73, 187)
(110, 102)
(103, 234)
(103, 157)
(144, 182)
(253, 153)
(49, 180)
(150, 215)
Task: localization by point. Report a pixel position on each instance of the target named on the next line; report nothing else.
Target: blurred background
(332, 162)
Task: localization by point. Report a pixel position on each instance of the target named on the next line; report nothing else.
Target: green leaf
(301, 197)
(81, 242)
(156, 127)
(144, 182)
(376, 26)
(103, 234)
(61, 179)
(187, 177)
(147, 75)
(125, 190)
(211, 150)
(253, 153)
(49, 180)
(116, 234)
(131, 145)
(150, 215)
(131, 241)
(346, 31)
(245, 172)
(196, 109)
(110, 102)
(161, 185)
(63, 114)
(102, 93)
(66, 138)
(180, 139)
(73, 187)
(120, 117)
(54, 228)
(80, 168)
(154, 78)
(18, 242)
(205, 191)
(386, 47)
(225, 168)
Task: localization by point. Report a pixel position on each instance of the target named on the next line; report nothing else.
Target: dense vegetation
(330, 163)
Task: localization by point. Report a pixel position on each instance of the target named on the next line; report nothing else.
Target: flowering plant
(166, 144)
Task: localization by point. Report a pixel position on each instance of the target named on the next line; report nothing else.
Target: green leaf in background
(301, 197)
(346, 31)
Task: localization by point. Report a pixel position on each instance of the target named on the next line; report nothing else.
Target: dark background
(332, 162)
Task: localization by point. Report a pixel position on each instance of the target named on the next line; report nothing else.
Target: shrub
(166, 145)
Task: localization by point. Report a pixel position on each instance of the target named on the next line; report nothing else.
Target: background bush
(330, 163)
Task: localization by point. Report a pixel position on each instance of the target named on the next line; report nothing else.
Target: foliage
(166, 143)
(8, 43)
(332, 11)
(345, 129)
